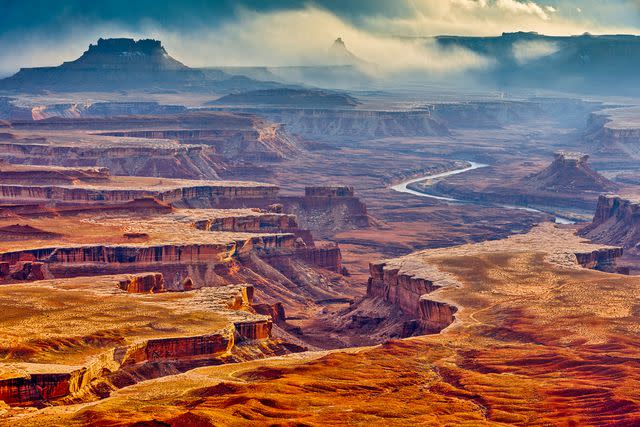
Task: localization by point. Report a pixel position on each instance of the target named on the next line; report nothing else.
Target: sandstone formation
(568, 173)
(526, 311)
(326, 124)
(412, 285)
(208, 326)
(132, 157)
(616, 221)
(143, 283)
(104, 109)
(18, 174)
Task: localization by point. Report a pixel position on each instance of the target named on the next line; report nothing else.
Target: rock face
(314, 98)
(177, 193)
(327, 209)
(616, 221)
(15, 174)
(324, 124)
(231, 333)
(332, 191)
(104, 109)
(177, 161)
(570, 172)
(409, 295)
(143, 283)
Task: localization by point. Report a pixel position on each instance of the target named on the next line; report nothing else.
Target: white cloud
(489, 17)
(526, 51)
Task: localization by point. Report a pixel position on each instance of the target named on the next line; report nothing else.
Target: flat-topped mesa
(110, 64)
(205, 327)
(570, 172)
(21, 174)
(327, 209)
(126, 54)
(180, 193)
(615, 222)
(258, 222)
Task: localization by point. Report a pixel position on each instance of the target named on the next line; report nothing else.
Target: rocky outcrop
(268, 142)
(260, 222)
(616, 222)
(15, 174)
(253, 329)
(275, 311)
(247, 336)
(162, 160)
(409, 295)
(601, 259)
(110, 64)
(569, 173)
(179, 194)
(143, 284)
(328, 209)
(325, 124)
(199, 263)
(325, 254)
(104, 109)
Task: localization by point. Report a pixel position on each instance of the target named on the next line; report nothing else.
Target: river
(402, 188)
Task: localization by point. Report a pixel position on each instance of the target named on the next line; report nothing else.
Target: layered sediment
(80, 362)
(413, 288)
(616, 221)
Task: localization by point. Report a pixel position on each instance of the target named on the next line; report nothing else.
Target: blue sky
(279, 32)
(57, 16)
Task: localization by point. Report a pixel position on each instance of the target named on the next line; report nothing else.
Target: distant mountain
(290, 97)
(606, 64)
(125, 64)
(340, 55)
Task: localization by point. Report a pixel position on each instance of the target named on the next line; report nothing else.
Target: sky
(292, 32)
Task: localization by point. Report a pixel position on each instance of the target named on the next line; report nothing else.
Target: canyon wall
(187, 161)
(615, 222)
(180, 195)
(409, 294)
(356, 124)
(245, 337)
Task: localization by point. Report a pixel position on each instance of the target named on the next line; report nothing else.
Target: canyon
(186, 246)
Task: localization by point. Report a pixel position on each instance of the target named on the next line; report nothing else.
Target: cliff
(209, 327)
(616, 222)
(313, 98)
(325, 124)
(409, 294)
(143, 159)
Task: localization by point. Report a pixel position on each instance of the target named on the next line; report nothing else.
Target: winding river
(402, 188)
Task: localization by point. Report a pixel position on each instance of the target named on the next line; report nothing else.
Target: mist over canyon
(322, 214)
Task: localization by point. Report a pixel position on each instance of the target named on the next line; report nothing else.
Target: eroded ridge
(538, 339)
(77, 339)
